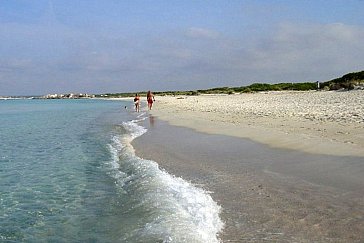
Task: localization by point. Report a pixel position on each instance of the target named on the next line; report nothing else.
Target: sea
(69, 173)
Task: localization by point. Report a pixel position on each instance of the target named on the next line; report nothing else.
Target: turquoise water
(68, 173)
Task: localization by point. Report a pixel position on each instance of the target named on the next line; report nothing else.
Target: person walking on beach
(150, 99)
(137, 102)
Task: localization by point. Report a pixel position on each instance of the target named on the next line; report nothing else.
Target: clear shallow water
(69, 174)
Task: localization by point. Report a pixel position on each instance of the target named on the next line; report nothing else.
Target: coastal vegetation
(347, 82)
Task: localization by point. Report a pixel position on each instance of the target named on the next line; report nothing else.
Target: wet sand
(266, 194)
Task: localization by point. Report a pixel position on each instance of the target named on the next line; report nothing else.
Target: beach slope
(296, 177)
(330, 123)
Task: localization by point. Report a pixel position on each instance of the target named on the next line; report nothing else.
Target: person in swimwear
(150, 99)
(137, 102)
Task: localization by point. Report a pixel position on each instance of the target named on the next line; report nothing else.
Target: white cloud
(292, 53)
(195, 32)
(190, 59)
(323, 48)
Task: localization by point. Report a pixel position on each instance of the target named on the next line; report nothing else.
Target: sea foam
(170, 209)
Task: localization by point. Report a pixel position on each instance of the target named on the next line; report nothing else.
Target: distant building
(68, 96)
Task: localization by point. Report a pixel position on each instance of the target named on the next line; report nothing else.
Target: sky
(111, 46)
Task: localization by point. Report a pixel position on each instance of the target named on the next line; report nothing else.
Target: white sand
(316, 122)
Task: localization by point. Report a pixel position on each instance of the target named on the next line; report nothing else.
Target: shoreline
(327, 122)
(265, 193)
(284, 166)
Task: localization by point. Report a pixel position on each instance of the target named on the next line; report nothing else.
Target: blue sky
(59, 46)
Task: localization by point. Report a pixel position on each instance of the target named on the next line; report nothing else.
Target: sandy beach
(329, 123)
(284, 166)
